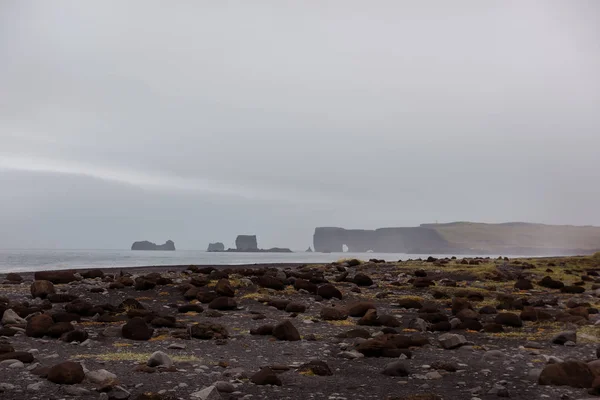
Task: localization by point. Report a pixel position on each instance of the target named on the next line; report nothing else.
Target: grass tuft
(346, 322)
(131, 356)
(159, 338)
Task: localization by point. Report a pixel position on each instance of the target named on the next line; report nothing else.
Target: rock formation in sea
(216, 247)
(146, 245)
(246, 243)
(309, 250)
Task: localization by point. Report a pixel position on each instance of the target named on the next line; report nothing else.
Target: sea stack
(216, 247)
(246, 243)
(146, 245)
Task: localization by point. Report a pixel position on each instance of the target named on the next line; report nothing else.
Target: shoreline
(167, 268)
(182, 267)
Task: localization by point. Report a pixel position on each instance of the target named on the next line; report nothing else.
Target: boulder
(575, 374)
(13, 277)
(207, 331)
(65, 317)
(6, 348)
(564, 337)
(471, 325)
(370, 319)
(302, 284)
(92, 274)
(39, 325)
(389, 320)
(66, 373)
(136, 329)
(451, 341)
(423, 282)
(270, 282)
(77, 335)
(396, 368)
(550, 283)
(59, 329)
(523, 284)
(41, 289)
(389, 345)
(130, 304)
(360, 309)
(262, 330)
(459, 304)
(159, 359)
(286, 331)
(295, 308)
(100, 376)
(207, 393)
(572, 289)
(206, 295)
(81, 307)
(279, 304)
(190, 308)
(334, 314)
(328, 291)
(509, 319)
(12, 318)
(224, 288)
(223, 303)
(467, 314)
(361, 279)
(56, 277)
(409, 303)
(488, 310)
(265, 376)
(22, 356)
(319, 368)
(142, 283)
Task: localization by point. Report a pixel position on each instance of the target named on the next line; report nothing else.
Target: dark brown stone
(223, 303)
(265, 376)
(224, 288)
(328, 291)
(66, 373)
(55, 277)
(334, 314)
(136, 329)
(39, 325)
(570, 373)
(286, 331)
(42, 289)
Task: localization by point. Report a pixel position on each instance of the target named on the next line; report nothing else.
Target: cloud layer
(293, 115)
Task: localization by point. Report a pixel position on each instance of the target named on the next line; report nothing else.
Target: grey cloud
(297, 114)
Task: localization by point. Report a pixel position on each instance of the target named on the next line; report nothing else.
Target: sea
(39, 260)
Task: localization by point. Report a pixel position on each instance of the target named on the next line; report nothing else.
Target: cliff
(146, 245)
(521, 238)
(214, 247)
(246, 243)
(464, 238)
(385, 240)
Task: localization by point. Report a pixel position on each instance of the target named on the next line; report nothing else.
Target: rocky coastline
(431, 329)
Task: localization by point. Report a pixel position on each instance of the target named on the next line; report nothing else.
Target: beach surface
(429, 329)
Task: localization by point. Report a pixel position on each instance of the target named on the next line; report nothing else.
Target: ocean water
(37, 260)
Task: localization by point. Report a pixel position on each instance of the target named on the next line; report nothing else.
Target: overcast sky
(199, 120)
